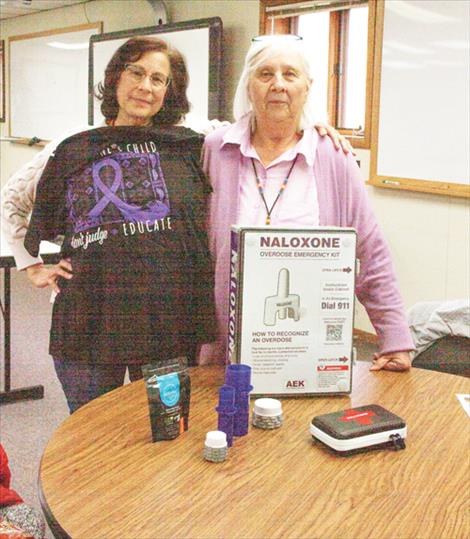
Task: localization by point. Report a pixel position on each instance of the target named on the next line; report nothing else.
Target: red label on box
(333, 368)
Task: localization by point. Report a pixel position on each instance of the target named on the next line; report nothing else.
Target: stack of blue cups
(226, 410)
(238, 376)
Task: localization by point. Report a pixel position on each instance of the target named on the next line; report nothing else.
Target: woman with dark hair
(176, 104)
(129, 199)
(128, 98)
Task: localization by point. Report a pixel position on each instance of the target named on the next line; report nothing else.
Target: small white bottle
(215, 447)
(267, 414)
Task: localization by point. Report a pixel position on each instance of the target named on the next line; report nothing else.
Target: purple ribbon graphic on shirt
(155, 209)
(125, 186)
(108, 194)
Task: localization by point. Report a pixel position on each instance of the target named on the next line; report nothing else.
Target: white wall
(429, 239)
(428, 234)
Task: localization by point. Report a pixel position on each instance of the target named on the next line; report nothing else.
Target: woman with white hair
(271, 168)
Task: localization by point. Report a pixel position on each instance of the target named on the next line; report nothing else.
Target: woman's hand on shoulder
(338, 139)
(42, 276)
(395, 361)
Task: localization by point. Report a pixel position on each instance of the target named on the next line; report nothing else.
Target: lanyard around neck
(281, 190)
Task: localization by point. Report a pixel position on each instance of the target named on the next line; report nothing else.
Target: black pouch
(359, 429)
(168, 391)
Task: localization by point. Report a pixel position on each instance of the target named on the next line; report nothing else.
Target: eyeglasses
(138, 74)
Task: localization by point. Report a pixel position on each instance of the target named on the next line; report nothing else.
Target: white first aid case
(360, 429)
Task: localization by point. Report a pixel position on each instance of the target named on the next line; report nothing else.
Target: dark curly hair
(176, 103)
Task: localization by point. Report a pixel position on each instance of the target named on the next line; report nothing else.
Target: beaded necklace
(281, 190)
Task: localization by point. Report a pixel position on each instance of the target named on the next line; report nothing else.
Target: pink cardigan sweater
(343, 201)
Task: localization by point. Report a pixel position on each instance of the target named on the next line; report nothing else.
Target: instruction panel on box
(292, 307)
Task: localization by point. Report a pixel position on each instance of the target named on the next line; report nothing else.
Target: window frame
(284, 26)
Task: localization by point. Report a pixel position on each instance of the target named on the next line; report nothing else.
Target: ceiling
(17, 8)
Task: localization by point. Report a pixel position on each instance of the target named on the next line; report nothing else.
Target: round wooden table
(101, 477)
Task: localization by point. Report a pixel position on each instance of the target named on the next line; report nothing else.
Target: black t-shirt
(131, 205)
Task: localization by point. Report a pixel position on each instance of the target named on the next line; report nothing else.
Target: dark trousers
(83, 382)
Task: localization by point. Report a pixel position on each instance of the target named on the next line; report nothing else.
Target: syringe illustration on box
(283, 305)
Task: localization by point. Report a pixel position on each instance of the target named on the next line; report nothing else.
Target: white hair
(263, 49)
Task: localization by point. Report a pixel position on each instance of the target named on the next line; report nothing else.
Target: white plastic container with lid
(267, 413)
(215, 446)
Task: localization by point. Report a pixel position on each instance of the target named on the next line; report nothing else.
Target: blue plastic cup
(240, 423)
(238, 376)
(226, 411)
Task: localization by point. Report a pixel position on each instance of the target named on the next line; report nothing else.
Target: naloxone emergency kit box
(291, 308)
(359, 429)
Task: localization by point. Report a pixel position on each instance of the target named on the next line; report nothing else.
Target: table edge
(57, 531)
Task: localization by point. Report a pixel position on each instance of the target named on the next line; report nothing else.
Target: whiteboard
(49, 81)
(423, 130)
(200, 42)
